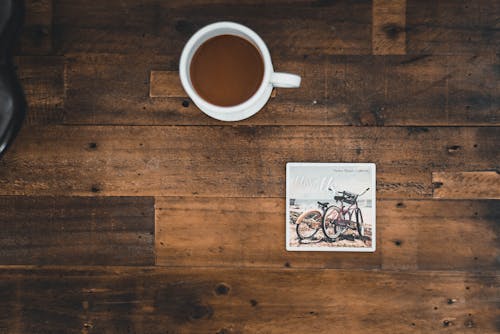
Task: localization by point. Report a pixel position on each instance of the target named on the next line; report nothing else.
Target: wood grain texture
(389, 27)
(165, 84)
(240, 161)
(450, 27)
(466, 185)
(337, 90)
(250, 232)
(77, 230)
(440, 235)
(152, 300)
(42, 79)
(159, 27)
(36, 37)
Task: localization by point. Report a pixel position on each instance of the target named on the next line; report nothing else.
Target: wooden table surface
(124, 209)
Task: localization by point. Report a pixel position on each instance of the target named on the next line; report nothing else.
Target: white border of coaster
(372, 166)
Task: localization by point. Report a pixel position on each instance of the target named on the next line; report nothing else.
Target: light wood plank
(338, 90)
(466, 185)
(389, 27)
(77, 230)
(152, 300)
(239, 161)
(250, 232)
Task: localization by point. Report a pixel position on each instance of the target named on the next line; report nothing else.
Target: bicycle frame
(351, 208)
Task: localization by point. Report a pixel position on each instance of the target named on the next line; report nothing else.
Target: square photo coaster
(330, 207)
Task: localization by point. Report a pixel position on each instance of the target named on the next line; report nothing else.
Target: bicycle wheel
(360, 225)
(330, 225)
(308, 224)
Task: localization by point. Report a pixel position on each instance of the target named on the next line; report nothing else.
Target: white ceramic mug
(259, 98)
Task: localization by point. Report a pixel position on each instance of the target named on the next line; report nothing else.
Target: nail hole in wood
(392, 30)
(185, 103)
(437, 185)
(92, 145)
(95, 189)
(222, 289)
(253, 302)
(201, 311)
(453, 148)
(287, 264)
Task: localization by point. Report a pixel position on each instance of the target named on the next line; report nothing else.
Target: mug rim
(211, 109)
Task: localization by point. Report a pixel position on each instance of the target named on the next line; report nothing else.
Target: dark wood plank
(338, 90)
(147, 300)
(36, 37)
(389, 27)
(42, 79)
(240, 161)
(77, 230)
(463, 185)
(440, 235)
(451, 27)
(160, 27)
(243, 232)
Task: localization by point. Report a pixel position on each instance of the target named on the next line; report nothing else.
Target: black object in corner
(12, 101)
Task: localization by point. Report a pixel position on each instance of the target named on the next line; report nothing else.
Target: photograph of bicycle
(330, 207)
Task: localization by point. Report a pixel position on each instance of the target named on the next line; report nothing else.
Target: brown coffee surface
(226, 70)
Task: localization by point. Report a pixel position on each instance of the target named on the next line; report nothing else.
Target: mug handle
(285, 80)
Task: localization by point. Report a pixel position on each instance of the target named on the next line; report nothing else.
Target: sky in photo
(312, 181)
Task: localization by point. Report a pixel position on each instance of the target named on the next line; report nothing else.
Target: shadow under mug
(259, 98)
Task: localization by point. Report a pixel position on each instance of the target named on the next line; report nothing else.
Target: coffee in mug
(226, 70)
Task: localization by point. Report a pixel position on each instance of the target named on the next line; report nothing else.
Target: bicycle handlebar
(345, 194)
(361, 194)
